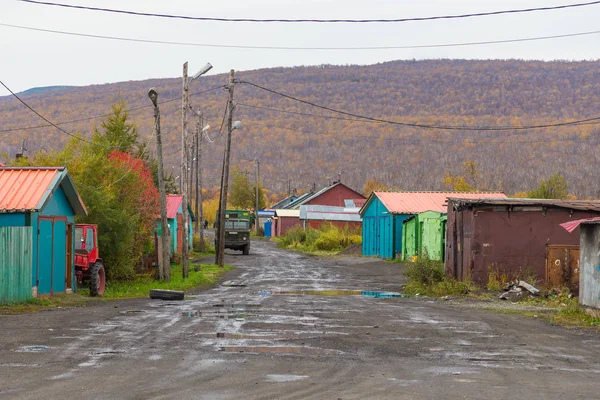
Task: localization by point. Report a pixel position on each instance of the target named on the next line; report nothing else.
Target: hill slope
(305, 149)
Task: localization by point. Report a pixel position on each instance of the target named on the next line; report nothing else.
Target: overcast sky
(31, 58)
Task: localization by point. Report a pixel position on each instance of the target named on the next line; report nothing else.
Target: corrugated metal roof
(417, 202)
(583, 205)
(303, 200)
(572, 225)
(173, 203)
(26, 189)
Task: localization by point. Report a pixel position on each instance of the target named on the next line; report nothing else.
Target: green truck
(237, 230)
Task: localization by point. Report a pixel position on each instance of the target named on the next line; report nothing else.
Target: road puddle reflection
(279, 350)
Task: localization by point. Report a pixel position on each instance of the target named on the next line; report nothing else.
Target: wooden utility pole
(199, 197)
(164, 269)
(257, 165)
(184, 173)
(220, 257)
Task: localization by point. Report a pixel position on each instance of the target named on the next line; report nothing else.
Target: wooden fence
(15, 264)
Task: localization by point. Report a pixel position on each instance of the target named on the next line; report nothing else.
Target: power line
(104, 115)
(42, 117)
(215, 19)
(424, 46)
(415, 141)
(424, 126)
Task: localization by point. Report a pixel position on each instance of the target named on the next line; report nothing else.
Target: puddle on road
(364, 293)
(279, 350)
(285, 378)
(229, 314)
(32, 349)
(225, 305)
(132, 312)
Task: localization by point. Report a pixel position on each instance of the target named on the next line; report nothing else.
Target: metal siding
(58, 204)
(44, 257)
(431, 241)
(12, 219)
(409, 239)
(511, 242)
(335, 196)
(15, 264)
(59, 273)
(589, 279)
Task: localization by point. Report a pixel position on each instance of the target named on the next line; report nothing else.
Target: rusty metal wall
(589, 278)
(511, 242)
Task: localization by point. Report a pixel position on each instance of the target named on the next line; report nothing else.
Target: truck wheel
(247, 249)
(166, 294)
(97, 279)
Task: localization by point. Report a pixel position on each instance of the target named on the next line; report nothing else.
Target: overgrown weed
(328, 239)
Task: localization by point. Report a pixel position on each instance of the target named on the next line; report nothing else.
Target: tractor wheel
(247, 249)
(97, 279)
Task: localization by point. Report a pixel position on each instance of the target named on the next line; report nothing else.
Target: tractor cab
(88, 264)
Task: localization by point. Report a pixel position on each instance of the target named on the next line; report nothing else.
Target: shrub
(425, 271)
(208, 244)
(496, 280)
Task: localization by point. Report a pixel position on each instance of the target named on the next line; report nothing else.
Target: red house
(334, 195)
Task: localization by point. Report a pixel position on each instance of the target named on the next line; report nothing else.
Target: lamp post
(164, 266)
(184, 159)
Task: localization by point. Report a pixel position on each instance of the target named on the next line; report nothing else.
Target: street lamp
(184, 168)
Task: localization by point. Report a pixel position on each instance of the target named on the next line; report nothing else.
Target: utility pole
(220, 257)
(257, 165)
(165, 264)
(184, 172)
(199, 197)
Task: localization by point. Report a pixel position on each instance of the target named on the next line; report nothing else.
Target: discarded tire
(166, 294)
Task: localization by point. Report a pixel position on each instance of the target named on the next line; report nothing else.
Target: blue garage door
(52, 255)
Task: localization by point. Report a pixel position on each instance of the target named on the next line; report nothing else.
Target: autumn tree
(469, 181)
(117, 189)
(554, 187)
(243, 193)
(373, 185)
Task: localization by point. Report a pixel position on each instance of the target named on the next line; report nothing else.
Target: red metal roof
(26, 188)
(173, 203)
(572, 225)
(417, 202)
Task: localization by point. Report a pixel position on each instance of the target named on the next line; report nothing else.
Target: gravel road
(258, 337)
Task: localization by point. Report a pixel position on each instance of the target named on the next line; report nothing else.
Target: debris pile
(517, 290)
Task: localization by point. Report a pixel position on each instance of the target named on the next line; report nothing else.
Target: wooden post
(164, 262)
(184, 173)
(199, 197)
(220, 256)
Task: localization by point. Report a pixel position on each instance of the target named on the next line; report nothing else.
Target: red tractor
(88, 264)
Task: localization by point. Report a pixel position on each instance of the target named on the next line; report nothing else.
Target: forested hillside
(298, 145)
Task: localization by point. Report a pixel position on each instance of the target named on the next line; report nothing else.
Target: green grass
(427, 278)
(43, 303)
(140, 287)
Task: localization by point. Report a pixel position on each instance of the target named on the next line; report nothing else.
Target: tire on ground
(97, 279)
(166, 294)
(246, 249)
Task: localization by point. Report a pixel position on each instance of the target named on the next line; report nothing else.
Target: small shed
(175, 221)
(45, 200)
(341, 217)
(589, 260)
(283, 221)
(384, 212)
(333, 195)
(515, 236)
(424, 234)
